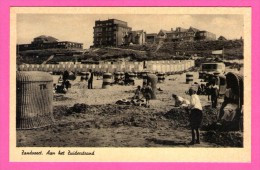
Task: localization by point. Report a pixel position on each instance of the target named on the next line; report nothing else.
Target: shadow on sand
(167, 142)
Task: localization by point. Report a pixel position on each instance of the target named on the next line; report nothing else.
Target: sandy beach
(100, 122)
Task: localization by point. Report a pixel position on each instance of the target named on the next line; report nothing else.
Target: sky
(79, 27)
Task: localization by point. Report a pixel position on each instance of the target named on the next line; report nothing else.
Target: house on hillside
(177, 35)
(151, 38)
(191, 34)
(181, 34)
(135, 37)
(205, 36)
(161, 36)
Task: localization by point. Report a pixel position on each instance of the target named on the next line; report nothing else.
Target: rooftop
(110, 20)
(45, 38)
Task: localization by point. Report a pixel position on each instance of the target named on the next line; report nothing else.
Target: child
(214, 95)
(147, 90)
(195, 115)
(138, 93)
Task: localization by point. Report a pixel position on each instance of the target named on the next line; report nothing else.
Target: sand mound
(209, 118)
(79, 108)
(180, 116)
(59, 111)
(231, 139)
(108, 115)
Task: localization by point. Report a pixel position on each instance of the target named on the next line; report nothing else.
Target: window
(209, 66)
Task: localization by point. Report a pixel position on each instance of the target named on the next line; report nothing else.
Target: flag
(217, 52)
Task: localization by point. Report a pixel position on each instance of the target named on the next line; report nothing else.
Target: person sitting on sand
(138, 93)
(195, 115)
(54, 87)
(60, 80)
(179, 101)
(229, 98)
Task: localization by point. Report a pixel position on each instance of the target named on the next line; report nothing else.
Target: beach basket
(34, 97)
(189, 78)
(152, 78)
(161, 77)
(107, 80)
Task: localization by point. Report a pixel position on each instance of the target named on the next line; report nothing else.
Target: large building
(110, 32)
(48, 42)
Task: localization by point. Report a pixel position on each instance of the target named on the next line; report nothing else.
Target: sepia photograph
(130, 80)
(116, 80)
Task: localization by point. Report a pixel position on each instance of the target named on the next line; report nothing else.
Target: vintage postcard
(130, 84)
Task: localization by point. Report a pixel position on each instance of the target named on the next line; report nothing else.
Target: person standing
(195, 116)
(126, 78)
(147, 90)
(90, 80)
(214, 91)
(65, 76)
(207, 90)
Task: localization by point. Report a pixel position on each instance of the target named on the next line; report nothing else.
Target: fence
(166, 66)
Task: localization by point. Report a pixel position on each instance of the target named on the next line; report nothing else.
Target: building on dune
(180, 34)
(110, 32)
(205, 36)
(151, 38)
(114, 32)
(135, 37)
(191, 34)
(47, 42)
